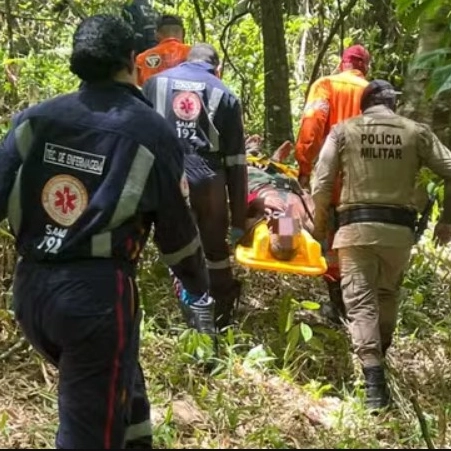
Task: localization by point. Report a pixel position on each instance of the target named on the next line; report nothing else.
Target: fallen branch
(423, 424)
(15, 347)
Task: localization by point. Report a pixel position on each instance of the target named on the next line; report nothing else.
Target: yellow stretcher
(309, 260)
(265, 161)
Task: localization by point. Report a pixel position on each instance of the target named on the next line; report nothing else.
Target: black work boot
(224, 315)
(201, 316)
(377, 394)
(337, 307)
(226, 306)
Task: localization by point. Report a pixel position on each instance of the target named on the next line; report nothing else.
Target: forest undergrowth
(284, 378)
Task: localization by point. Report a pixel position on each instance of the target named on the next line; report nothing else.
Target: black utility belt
(386, 215)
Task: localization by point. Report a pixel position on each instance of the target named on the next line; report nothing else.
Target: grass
(284, 378)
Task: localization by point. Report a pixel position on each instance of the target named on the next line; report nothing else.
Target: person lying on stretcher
(273, 193)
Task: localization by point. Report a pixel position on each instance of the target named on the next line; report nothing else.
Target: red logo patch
(187, 106)
(64, 198)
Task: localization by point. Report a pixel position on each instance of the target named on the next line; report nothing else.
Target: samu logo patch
(64, 198)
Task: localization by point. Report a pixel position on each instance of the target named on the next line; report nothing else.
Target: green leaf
(292, 342)
(284, 311)
(169, 414)
(418, 298)
(310, 305)
(411, 16)
(430, 60)
(403, 5)
(323, 390)
(306, 332)
(3, 421)
(230, 337)
(257, 352)
(316, 344)
(440, 75)
(293, 337)
(4, 232)
(446, 86)
(290, 319)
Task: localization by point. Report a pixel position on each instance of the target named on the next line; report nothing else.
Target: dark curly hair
(102, 46)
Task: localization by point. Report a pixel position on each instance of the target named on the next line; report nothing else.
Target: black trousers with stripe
(84, 318)
(209, 204)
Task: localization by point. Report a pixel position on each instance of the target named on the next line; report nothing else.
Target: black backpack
(143, 19)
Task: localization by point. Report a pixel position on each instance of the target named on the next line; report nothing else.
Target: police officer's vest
(379, 159)
(143, 19)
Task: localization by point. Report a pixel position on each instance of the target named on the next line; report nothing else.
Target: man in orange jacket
(331, 99)
(169, 52)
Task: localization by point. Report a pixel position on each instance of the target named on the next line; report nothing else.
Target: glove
(235, 235)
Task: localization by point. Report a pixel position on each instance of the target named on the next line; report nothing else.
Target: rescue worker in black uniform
(83, 177)
(208, 121)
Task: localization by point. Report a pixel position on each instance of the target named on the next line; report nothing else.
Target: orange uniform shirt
(331, 99)
(168, 53)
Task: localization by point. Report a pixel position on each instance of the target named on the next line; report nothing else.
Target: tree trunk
(278, 127)
(415, 105)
